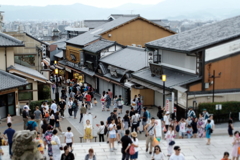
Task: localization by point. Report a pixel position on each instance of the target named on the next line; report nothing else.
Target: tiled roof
(99, 45)
(130, 58)
(94, 23)
(174, 77)
(27, 70)
(9, 41)
(200, 37)
(94, 34)
(8, 80)
(159, 22)
(59, 54)
(116, 16)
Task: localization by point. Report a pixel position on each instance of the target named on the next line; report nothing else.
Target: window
(25, 60)
(156, 57)
(25, 92)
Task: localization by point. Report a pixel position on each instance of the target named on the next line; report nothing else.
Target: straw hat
(134, 134)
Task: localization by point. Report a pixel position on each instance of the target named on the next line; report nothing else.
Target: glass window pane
(29, 86)
(11, 99)
(25, 96)
(25, 60)
(3, 108)
(11, 110)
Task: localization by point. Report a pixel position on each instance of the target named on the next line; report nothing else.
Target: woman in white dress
(56, 145)
(170, 137)
(157, 154)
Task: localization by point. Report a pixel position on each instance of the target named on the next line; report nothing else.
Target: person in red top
(110, 94)
(88, 100)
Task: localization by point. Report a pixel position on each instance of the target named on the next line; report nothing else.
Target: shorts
(57, 125)
(69, 145)
(120, 107)
(135, 156)
(112, 136)
(126, 123)
(181, 134)
(144, 123)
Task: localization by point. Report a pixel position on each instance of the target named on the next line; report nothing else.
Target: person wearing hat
(191, 113)
(166, 119)
(135, 142)
(150, 130)
(205, 114)
(177, 155)
(25, 117)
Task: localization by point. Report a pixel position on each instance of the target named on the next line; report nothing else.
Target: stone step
(193, 149)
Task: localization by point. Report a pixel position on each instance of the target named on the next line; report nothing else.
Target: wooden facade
(139, 32)
(73, 54)
(148, 95)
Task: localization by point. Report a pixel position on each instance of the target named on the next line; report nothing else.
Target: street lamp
(213, 77)
(164, 78)
(56, 73)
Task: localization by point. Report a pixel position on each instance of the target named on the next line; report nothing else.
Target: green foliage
(227, 107)
(33, 104)
(44, 92)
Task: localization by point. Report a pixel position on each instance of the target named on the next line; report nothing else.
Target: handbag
(238, 150)
(171, 143)
(131, 150)
(155, 142)
(99, 131)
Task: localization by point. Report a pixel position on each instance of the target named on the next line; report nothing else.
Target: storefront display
(79, 77)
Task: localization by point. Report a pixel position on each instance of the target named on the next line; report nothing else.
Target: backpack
(46, 115)
(132, 150)
(74, 105)
(148, 114)
(29, 126)
(177, 128)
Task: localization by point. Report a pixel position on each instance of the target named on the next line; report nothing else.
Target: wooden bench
(81, 138)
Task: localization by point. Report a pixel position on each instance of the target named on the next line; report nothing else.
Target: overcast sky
(96, 3)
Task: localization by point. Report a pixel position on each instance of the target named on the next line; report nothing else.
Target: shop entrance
(7, 105)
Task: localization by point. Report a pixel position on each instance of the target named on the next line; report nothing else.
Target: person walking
(126, 141)
(191, 113)
(119, 129)
(230, 128)
(135, 142)
(32, 125)
(119, 102)
(135, 121)
(157, 153)
(69, 138)
(126, 120)
(144, 118)
(160, 113)
(44, 129)
(101, 131)
(52, 118)
(205, 114)
(112, 135)
(56, 145)
(103, 100)
(83, 111)
(62, 107)
(90, 155)
(166, 119)
(194, 127)
(47, 139)
(54, 106)
(236, 144)
(38, 117)
(53, 87)
(150, 134)
(75, 108)
(177, 155)
(170, 137)
(25, 118)
(57, 122)
(108, 101)
(182, 128)
(67, 155)
(9, 132)
(208, 131)
(201, 126)
(70, 102)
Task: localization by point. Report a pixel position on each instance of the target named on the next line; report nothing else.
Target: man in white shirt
(54, 106)
(27, 106)
(177, 155)
(69, 138)
(166, 119)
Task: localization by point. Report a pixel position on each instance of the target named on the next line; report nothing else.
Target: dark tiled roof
(8, 80)
(99, 45)
(94, 23)
(200, 37)
(130, 58)
(174, 77)
(9, 41)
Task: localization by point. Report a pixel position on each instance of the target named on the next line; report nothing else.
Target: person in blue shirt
(32, 125)
(9, 132)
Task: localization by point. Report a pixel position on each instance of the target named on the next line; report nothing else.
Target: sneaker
(63, 117)
(114, 148)
(146, 149)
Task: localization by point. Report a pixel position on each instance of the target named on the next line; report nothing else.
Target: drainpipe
(5, 58)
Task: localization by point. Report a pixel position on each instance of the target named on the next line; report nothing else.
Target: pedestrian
(177, 155)
(169, 136)
(115, 103)
(53, 87)
(205, 114)
(139, 105)
(88, 100)
(75, 108)
(194, 127)
(126, 141)
(27, 108)
(1, 150)
(230, 128)
(150, 134)
(157, 153)
(72, 94)
(54, 106)
(9, 119)
(134, 104)
(32, 125)
(201, 126)
(56, 145)
(208, 131)
(67, 155)
(101, 128)
(191, 113)
(225, 156)
(90, 155)
(108, 101)
(25, 118)
(166, 119)
(110, 94)
(135, 142)
(69, 138)
(103, 99)
(144, 118)
(135, 121)
(95, 102)
(160, 113)
(62, 106)
(70, 102)
(119, 129)
(188, 121)
(83, 111)
(57, 122)
(44, 129)
(182, 128)
(38, 117)
(9, 132)
(126, 120)
(63, 92)
(189, 131)
(48, 138)
(88, 131)
(112, 135)
(52, 118)
(45, 105)
(119, 104)
(236, 144)
(212, 122)
(132, 112)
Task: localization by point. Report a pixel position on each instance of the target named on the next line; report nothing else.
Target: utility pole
(214, 77)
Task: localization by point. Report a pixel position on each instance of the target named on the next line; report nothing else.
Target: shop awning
(129, 84)
(147, 85)
(181, 89)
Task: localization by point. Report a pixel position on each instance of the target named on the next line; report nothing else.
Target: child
(103, 103)
(95, 101)
(41, 145)
(69, 138)
(189, 131)
(9, 119)
(1, 151)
